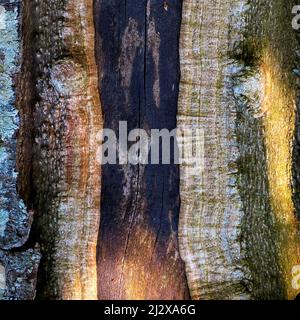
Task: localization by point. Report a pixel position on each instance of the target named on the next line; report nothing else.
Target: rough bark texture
(20, 274)
(61, 110)
(14, 218)
(238, 227)
(238, 230)
(137, 52)
(273, 54)
(18, 266)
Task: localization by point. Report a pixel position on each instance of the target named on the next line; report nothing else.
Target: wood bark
(238, 227)
(18, 264)
(60, 93)
(225, 228)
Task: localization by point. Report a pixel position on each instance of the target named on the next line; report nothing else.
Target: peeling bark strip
(238, 231)
(211, 207)
(137, 55)
(17, 269)
(61, 87)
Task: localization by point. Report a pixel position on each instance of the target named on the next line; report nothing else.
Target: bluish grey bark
(16, 269)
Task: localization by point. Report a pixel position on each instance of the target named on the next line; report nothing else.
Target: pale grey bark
(14, 219)
(18, 267)
(18, 274)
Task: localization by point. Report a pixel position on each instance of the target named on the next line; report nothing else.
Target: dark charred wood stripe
(137, 55)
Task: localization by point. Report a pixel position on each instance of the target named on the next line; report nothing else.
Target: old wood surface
(138, 61)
